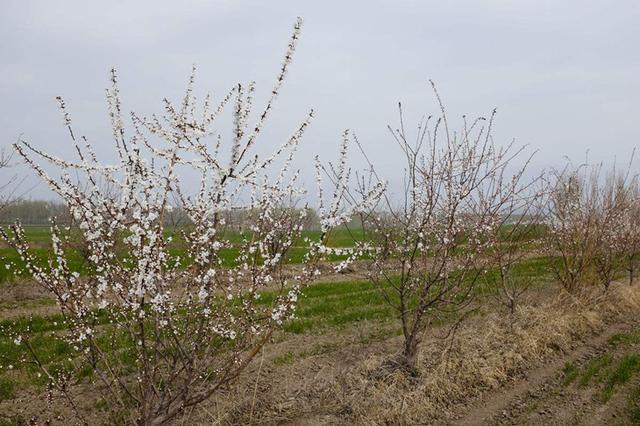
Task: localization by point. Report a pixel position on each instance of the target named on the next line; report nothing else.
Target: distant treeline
(31, 212)
(38, 212)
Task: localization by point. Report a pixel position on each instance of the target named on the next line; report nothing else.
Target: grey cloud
(563, 75)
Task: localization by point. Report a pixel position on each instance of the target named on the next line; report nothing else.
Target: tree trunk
(409, 353)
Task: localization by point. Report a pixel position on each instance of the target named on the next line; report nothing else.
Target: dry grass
(339, 377)
(349, 383)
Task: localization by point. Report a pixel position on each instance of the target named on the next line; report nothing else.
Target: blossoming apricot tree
(162, 333)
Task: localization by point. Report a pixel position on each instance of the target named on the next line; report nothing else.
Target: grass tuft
(633, 406)
(594, 368)
(570, 373)
(7, 389)
(624, 370)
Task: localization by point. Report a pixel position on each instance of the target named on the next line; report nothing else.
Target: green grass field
(323, 307)
(343, 237)
(39, 237)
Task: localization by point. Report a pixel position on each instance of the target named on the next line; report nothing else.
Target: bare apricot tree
(613, 213)
(572, 226)
(11, 183)
(520, 233)
(630, 231)
(431, 241)
(589, 224)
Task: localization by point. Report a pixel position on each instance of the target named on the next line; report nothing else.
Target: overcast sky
(564, 75)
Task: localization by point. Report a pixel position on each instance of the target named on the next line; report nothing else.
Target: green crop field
(326, 307)
(39, 238)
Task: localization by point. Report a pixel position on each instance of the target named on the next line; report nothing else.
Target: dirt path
(542, 397)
